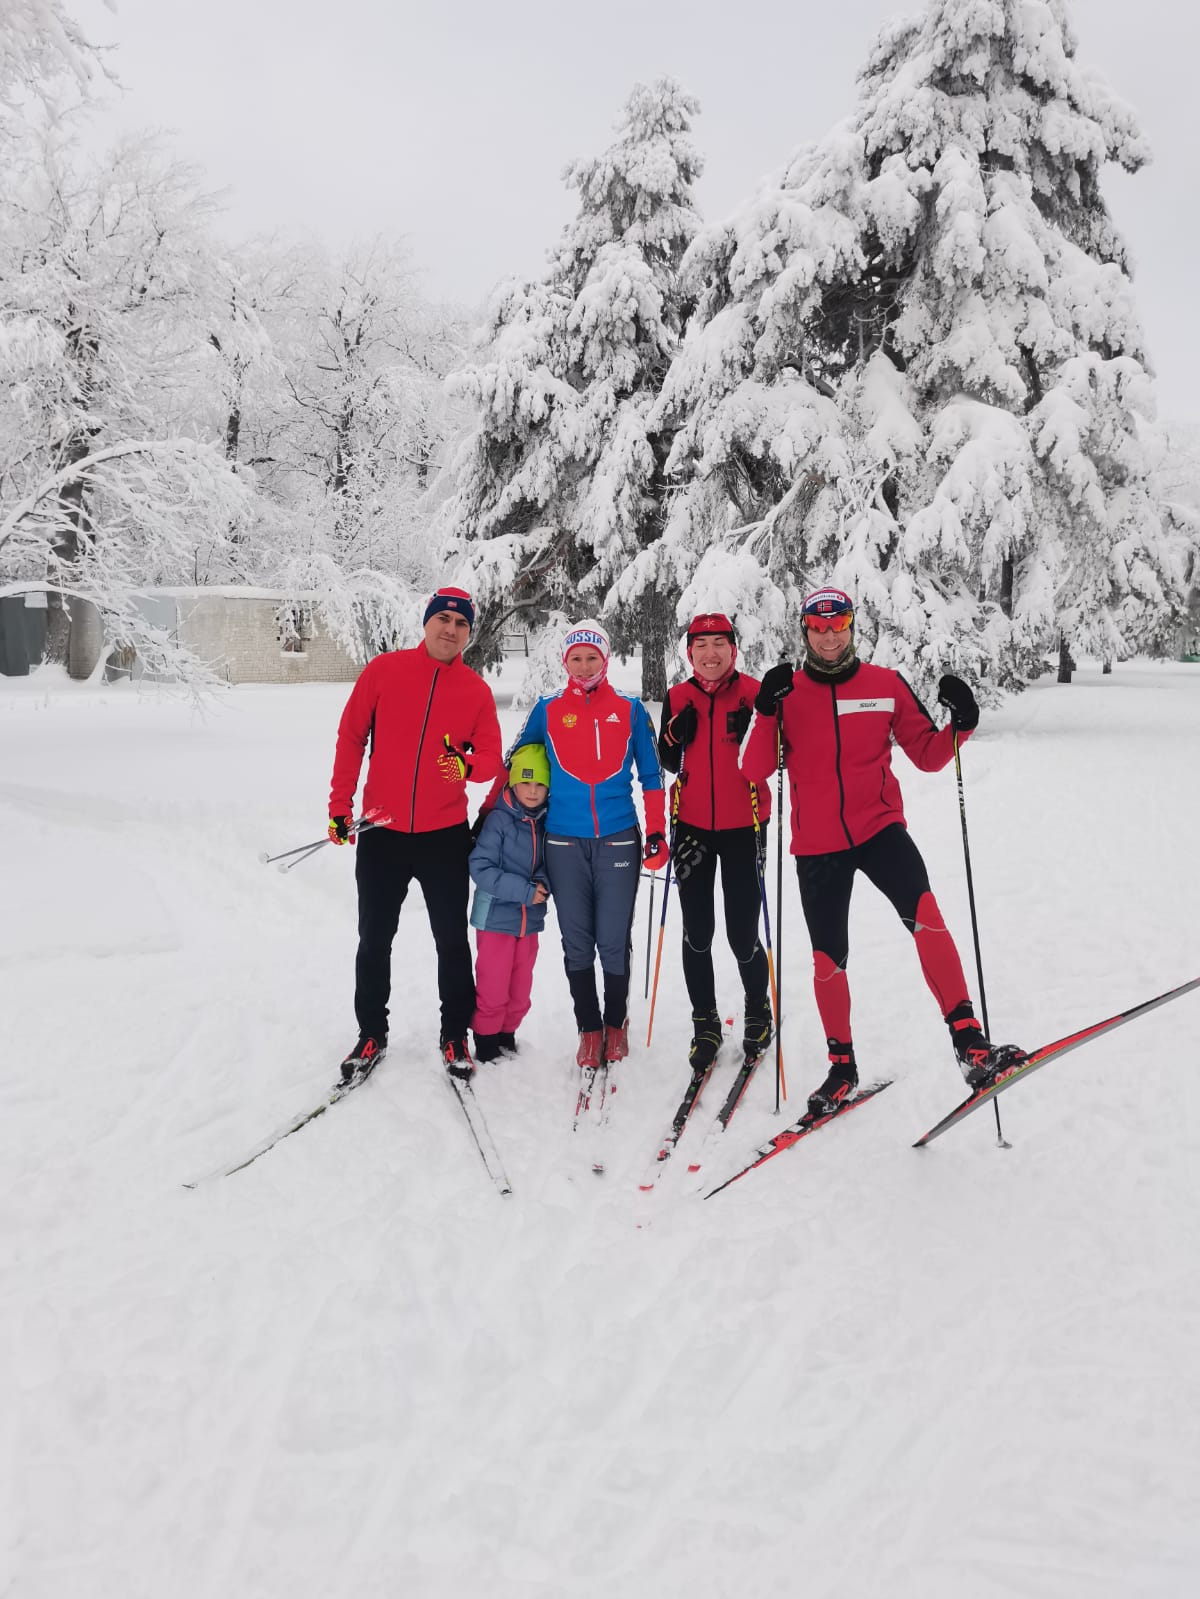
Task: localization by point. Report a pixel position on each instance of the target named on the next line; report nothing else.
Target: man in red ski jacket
(431, 726)
(837, 719)
(719, 816)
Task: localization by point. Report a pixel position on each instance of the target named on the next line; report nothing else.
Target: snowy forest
(909, 363)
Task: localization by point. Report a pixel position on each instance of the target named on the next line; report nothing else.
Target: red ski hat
(448, 599)
(714, 622)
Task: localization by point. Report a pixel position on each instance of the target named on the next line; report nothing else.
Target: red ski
(793, 1135)
(1047, 1053)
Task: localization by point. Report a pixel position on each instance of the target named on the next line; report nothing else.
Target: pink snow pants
(503, 980)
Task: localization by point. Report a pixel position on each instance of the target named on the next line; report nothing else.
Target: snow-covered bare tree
(42, 49)
(944, 269)
(349, 453)
(560, 489)
(107, 282)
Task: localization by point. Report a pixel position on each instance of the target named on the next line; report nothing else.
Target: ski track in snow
(354, 1371)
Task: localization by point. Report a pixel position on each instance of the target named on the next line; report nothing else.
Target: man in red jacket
(720, 817)
(837, 719)
(431, 725)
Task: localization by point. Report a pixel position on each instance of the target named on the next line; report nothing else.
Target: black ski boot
(458, 1058)
(839, 1085)
(979, 1060)
(757, 1028)
(489, 1046)
(706, 1041)
(508, 1043)
(362, 1060)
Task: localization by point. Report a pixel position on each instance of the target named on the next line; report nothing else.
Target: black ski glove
(736, 722)
(339, 830)
(774, 688)
(954, 694)
(683, 727)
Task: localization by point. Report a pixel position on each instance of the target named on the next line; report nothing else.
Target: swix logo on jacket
(406, 704)
(594, 740)
(837, 744)
(713, 792)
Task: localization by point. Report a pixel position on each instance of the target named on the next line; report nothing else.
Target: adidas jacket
(594, 741)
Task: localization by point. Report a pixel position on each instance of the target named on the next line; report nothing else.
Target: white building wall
(239, 635)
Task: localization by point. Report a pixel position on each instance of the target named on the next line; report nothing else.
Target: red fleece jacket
(404, 705)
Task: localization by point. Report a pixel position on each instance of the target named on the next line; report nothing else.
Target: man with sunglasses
(837, 718)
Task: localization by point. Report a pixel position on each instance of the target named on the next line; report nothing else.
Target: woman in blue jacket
(595, 740)
(508, 867)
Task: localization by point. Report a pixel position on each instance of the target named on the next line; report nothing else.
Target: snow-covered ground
(353, 1371)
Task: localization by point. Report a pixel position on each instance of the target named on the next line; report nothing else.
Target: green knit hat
(529, 764)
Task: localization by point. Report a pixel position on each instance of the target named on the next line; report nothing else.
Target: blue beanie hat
(448, 599)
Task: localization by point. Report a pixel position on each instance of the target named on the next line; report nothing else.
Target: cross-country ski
(804, 1128)
(1038, 1058)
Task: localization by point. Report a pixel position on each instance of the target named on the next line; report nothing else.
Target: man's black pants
(697, 852)
(387, 863)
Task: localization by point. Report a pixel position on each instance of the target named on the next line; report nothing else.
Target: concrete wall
(237, 634)
(241, 637)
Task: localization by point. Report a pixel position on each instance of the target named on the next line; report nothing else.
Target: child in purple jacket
(508, 867)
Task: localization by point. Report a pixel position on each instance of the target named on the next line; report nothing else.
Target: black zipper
(412, 813)
(712, 761)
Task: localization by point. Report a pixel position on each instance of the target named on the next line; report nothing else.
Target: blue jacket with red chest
(594, 739)
(713, 792)
(404, 706)
(837, 745)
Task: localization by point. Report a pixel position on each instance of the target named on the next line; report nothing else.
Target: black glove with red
(954, 694)
(775, 687)
(339, 830)
(683, 727)
(657, 853)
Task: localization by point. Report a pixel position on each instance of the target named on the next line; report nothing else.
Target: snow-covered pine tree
(1014, 331)
(749, 401)
(560, 489)
(943, 265)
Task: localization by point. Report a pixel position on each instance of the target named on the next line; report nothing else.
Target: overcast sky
(450, 123)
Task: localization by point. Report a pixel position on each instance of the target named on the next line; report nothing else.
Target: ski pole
(300, 849)
(662, 926)
(364, 824)
(649, 933)
(762, 894)
(780, 1084)
(962, 812)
